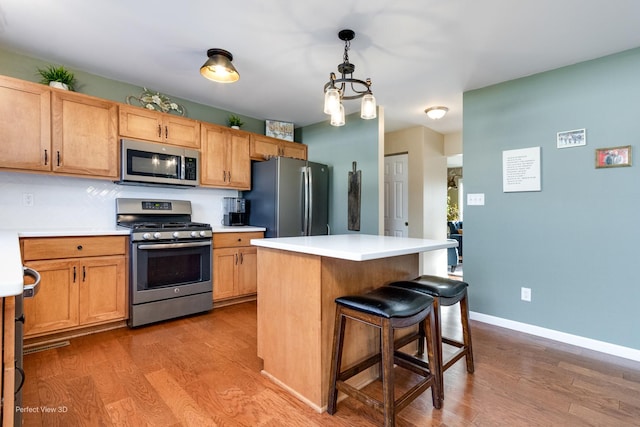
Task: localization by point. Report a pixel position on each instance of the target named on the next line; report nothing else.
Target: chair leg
(336, 365)
(422, 334)
(387, 373)
(435, 359)
(466, 332)
(437, 324)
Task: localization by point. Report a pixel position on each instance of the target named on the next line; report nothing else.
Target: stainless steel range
(171, 267)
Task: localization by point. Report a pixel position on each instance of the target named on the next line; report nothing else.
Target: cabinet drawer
(229, 240)
(72, 247)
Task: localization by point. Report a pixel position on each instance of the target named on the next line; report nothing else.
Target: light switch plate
(475, 199)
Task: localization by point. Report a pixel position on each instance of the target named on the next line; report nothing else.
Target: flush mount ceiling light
(335, 90)
(219, 67)
(436, 113)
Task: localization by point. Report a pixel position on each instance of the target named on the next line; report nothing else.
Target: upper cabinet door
(238, 161)
(294, 150)
(213, 157)
(25, 125)
(181, 131)
(140, 123)
(264, 147)
(85, 135)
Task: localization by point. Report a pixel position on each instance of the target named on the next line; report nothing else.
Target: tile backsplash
(60, 202)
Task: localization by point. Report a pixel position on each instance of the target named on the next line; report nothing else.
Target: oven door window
(159, 268)
(144, 163)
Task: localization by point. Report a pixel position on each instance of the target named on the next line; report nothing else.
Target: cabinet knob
(79, 247)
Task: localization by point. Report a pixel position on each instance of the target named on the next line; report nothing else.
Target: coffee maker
(234, 211)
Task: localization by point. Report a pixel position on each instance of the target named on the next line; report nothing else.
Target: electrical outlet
(525, 294)
(27, 199)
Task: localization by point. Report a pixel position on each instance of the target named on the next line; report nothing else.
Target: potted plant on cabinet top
(58, 77)
(235, 122)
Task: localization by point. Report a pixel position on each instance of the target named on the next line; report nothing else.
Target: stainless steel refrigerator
(289, 197)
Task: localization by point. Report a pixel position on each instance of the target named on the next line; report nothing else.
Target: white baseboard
(601, 346)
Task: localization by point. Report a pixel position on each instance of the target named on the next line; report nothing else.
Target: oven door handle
(174, 245)
(30, 291)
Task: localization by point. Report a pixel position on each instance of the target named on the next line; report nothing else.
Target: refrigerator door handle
(305, 201)
(310, 205)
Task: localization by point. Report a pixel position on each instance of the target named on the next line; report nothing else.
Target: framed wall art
(280, 130)
(613, 157)
(571, 138)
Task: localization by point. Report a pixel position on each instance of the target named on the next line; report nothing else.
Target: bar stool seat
(387, 309)
(446, 292)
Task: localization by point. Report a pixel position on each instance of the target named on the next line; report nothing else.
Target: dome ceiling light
(219, 67)
(436, 113)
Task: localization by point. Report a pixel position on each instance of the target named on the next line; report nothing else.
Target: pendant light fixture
(219, 67)
(335, 90)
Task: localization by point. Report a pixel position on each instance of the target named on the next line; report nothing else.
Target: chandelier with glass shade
(346, 87)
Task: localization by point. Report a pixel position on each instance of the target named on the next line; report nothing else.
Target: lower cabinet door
(102, 289)
(55, 306)
(247, 271)
(224, 266)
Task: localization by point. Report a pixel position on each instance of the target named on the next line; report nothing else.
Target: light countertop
(354, 247)
(117, 231)
(11, 273)
(236, 229)
(61, 232)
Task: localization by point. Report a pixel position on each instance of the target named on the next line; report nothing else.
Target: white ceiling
(419, 53)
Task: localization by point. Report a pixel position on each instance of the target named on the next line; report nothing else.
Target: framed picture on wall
(280, 130)
(613, 157)
(571, 138)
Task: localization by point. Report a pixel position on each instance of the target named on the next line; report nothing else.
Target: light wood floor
(203, 370)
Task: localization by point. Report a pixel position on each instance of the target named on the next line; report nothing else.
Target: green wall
(25, 68)
(338, 147)
(575, 243)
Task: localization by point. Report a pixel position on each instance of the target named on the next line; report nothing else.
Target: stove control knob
(203, 233)
(176, 234)
(157, 235)
(194, 234)
(146, 236)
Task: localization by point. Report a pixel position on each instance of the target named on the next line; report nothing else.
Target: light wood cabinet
(294, 150)
(8, 327)
(83, 282)
(47, 130)
(25, 125)
(225, 158)
(234, 265)
(51, 130)
(84, 135)
(141, 123)
(264, 147)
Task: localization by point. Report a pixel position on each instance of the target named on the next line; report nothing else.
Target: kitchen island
(299, 279)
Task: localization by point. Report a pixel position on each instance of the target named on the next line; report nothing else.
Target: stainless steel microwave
(147, 163)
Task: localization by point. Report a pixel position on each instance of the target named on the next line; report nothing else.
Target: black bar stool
(387, 309)
(446, 292)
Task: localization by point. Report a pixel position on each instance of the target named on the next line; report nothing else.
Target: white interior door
(396, 195)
